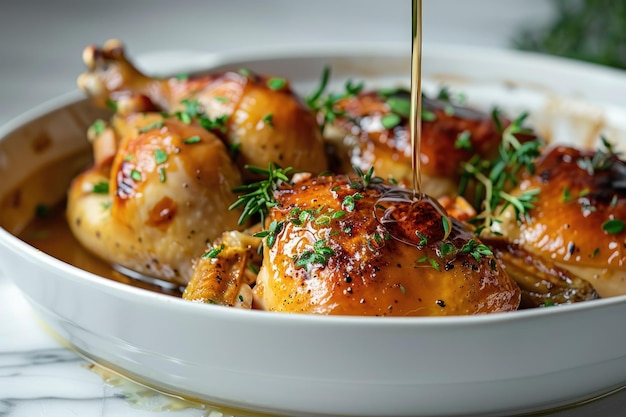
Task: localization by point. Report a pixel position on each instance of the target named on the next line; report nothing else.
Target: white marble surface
(40, 46)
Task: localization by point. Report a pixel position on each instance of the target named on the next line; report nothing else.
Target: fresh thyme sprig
(320, 254)
(602, 160)
(260, 195)
(366, 178)
(493, 178)
(326, 105)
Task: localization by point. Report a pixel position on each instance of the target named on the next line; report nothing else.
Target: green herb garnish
(271, 233)
(476, 249)
(613, 226)
(318, 255)
(464, 140)
(98, 126)
(493, 178)
(192, 140)
(326, 105)
(101, 187)
(276, 83)
(136, 175)
(259, 196)
(155, 125)
(160, 156)
(216, 250)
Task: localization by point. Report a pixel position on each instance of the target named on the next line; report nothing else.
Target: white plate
(308, 365)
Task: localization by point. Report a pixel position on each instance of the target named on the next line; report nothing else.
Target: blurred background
(41, 41)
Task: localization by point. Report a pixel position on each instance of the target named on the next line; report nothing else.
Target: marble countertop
(40, 49)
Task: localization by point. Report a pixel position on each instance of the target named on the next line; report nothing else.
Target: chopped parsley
(271, 233)
(477, 250)
(160, 156)
(318, 255)
(136, 175)
(111, 104)
(613, 226)
(464, 140)
(268, 119)
(98, 126)
(191, 140)
(155, 125)
(101, 187)
(276, 83)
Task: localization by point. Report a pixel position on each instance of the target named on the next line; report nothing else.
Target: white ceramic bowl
(496, 364)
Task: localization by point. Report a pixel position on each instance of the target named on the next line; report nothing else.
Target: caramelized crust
(331, 256)
(361, 139)
(224, 274)
(580, 191)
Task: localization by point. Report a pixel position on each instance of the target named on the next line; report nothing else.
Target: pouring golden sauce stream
(409, 215)
(415, 123)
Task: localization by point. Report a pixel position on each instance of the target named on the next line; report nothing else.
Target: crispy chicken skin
(259, 117)
(154, 204)
(225, 274)
(330, 255)
(360, 139)
(580, 191)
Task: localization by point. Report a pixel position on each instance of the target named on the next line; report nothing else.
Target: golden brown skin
(166, 199)
(566, 225)
(225, 273)
(364, 271)
(264, 120)
(360, 139)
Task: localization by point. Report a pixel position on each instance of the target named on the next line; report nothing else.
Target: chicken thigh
(326, 252)
(159, 191)
(578, 219)
(371, 130)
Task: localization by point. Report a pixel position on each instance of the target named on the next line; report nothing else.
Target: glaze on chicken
(165, 168)
(153, 204)
(159, 199)
(369, 133)
(330, 255)
(578, 218)
(259, 117)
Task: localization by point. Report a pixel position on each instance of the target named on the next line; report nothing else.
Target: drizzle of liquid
(410, 219)
(416, 97)
(411, 216)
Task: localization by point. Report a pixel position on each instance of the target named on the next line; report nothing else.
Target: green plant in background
(588, 30)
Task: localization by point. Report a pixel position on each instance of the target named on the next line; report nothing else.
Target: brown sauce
(48, 230)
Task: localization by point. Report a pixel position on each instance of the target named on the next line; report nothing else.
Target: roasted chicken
(371, 129)
(325, 252)
(160, 199)
(259, 117)
(577, 221)
(152, 205)
(165, 167)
